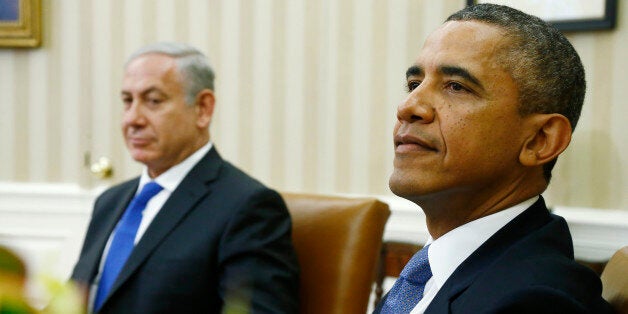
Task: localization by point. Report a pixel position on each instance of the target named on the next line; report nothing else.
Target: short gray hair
(192, 64)
(543, 63)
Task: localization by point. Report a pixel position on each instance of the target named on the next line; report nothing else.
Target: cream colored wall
(307, 91)
(594, 170)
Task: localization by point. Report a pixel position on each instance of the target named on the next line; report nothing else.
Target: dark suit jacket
(526, 267)
(221, 238)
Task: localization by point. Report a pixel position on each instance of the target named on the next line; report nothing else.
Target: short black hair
(543, 63)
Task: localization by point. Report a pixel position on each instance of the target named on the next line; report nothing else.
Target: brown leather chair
(615, 281)
(338, 241)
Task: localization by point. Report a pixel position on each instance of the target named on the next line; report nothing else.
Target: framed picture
(567, 15)
(20, 23)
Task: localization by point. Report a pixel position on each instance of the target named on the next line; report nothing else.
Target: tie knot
(149, 190)
(418, 269)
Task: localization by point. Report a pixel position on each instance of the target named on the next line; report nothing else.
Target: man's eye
(457, 87)
(154, 101)
(412, 85)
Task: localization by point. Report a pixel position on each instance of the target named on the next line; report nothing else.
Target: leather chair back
(615, 281)
(337, 241)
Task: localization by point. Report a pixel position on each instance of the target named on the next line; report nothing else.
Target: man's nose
(133, 114)
(417, 107)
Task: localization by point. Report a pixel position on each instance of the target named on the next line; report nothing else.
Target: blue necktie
(408, 289)
(123, 241)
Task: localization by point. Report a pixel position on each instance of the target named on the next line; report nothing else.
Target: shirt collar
(450, 250)
(170, 179)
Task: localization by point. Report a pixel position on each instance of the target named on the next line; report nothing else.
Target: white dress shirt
(450, 250)
(169, 180)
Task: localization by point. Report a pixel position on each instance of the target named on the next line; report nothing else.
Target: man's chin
(399, 185)
(407, 186)
(140, 156)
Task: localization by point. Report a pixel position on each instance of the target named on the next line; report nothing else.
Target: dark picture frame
(20, 23)
(604, 19)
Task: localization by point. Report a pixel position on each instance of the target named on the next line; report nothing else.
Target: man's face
(458, 131)
(160, 130)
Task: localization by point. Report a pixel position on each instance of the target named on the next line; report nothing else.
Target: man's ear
(205, 102)
(550, 135)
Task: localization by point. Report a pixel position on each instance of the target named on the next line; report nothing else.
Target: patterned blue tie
(123, 241)
(408, 289)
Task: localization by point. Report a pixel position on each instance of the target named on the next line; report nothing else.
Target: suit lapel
(109, 213)
(194, 186)
(531, 219)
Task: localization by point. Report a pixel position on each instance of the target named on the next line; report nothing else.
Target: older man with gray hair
(192, 234)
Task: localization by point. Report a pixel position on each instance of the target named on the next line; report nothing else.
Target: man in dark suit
(192, 234)
(493, 98)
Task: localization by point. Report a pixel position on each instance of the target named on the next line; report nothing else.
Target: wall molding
(46, 223)
(45, 198)
(597, 233)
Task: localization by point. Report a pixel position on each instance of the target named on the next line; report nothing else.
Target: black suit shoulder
(238, 182)
(254, 247)
(524, 282)
(528, 267)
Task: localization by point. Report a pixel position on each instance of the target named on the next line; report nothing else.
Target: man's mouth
(138, 141)
(410, 143)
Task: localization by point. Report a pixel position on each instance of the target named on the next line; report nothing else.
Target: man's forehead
(467, 34)
(151, 72)
(151, 63)
(150, 68)
(462, 43)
